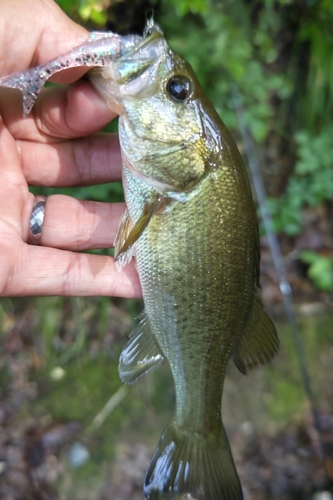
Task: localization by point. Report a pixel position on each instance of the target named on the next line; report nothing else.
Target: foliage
(185, 6)
(311, 183)
(224, 33)
(85, 10)
(92, 9)
(286, 87)
(320, 269)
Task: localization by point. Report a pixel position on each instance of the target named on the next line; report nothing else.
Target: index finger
(59, 113)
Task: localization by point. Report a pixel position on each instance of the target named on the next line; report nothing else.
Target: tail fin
(192, 466)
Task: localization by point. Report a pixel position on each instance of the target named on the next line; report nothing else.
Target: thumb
(33, 32)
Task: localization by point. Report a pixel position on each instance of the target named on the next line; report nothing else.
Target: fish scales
(190, 222)
(200, 300)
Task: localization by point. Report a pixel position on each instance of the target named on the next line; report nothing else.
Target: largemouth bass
(190, 222)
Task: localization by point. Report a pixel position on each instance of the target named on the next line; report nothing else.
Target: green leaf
(320, 269)
(195, 6)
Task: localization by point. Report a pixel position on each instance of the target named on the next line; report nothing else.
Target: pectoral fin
(123, 257)
(140, 354)
(259, 342)
(127, 235)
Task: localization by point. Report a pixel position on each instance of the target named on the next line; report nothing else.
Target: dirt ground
(50, 450)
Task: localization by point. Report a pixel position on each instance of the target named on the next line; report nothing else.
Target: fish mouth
(135, 62)
(133, 74)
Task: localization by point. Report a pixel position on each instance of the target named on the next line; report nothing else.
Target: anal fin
(140, 354)
(259, 342)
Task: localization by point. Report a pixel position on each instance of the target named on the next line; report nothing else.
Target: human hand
(56, 145)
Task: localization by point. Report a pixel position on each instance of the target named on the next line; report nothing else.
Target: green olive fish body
(191, 224)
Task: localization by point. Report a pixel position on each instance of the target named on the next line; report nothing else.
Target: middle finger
(77, 162)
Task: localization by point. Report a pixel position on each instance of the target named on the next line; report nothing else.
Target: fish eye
(179, 88)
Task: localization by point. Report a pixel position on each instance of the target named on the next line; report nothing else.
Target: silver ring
(36, 220)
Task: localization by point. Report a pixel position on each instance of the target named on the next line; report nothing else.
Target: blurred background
(68, 428)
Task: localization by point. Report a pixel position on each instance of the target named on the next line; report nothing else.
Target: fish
(190, 223)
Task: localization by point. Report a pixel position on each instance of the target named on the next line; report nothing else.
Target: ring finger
(77, 225)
